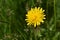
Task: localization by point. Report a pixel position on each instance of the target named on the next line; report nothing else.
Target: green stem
(55, 14)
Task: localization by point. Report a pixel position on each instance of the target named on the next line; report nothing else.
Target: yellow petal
(26, 19)
(38, 23)
(38, 8)
(26, 14)
(42, 21)
(44, 15)
(28, 23)
(43, 10)
(35, 25)
(44, 18)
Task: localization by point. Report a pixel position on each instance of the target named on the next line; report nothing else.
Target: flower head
(35, 16)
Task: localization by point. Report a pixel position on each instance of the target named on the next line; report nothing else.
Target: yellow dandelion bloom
(35, 16)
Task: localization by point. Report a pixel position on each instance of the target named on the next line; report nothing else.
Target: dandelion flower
(35, 16)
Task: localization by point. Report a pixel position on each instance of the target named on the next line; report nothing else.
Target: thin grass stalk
(55, 14)
(47, 22)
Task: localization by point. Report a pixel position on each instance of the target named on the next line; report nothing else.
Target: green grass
(13, 25)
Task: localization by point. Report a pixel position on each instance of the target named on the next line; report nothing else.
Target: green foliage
(13, 25)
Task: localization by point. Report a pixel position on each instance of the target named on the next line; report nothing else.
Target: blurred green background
(13, 25)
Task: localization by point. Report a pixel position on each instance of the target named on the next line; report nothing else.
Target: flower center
(34, 18)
